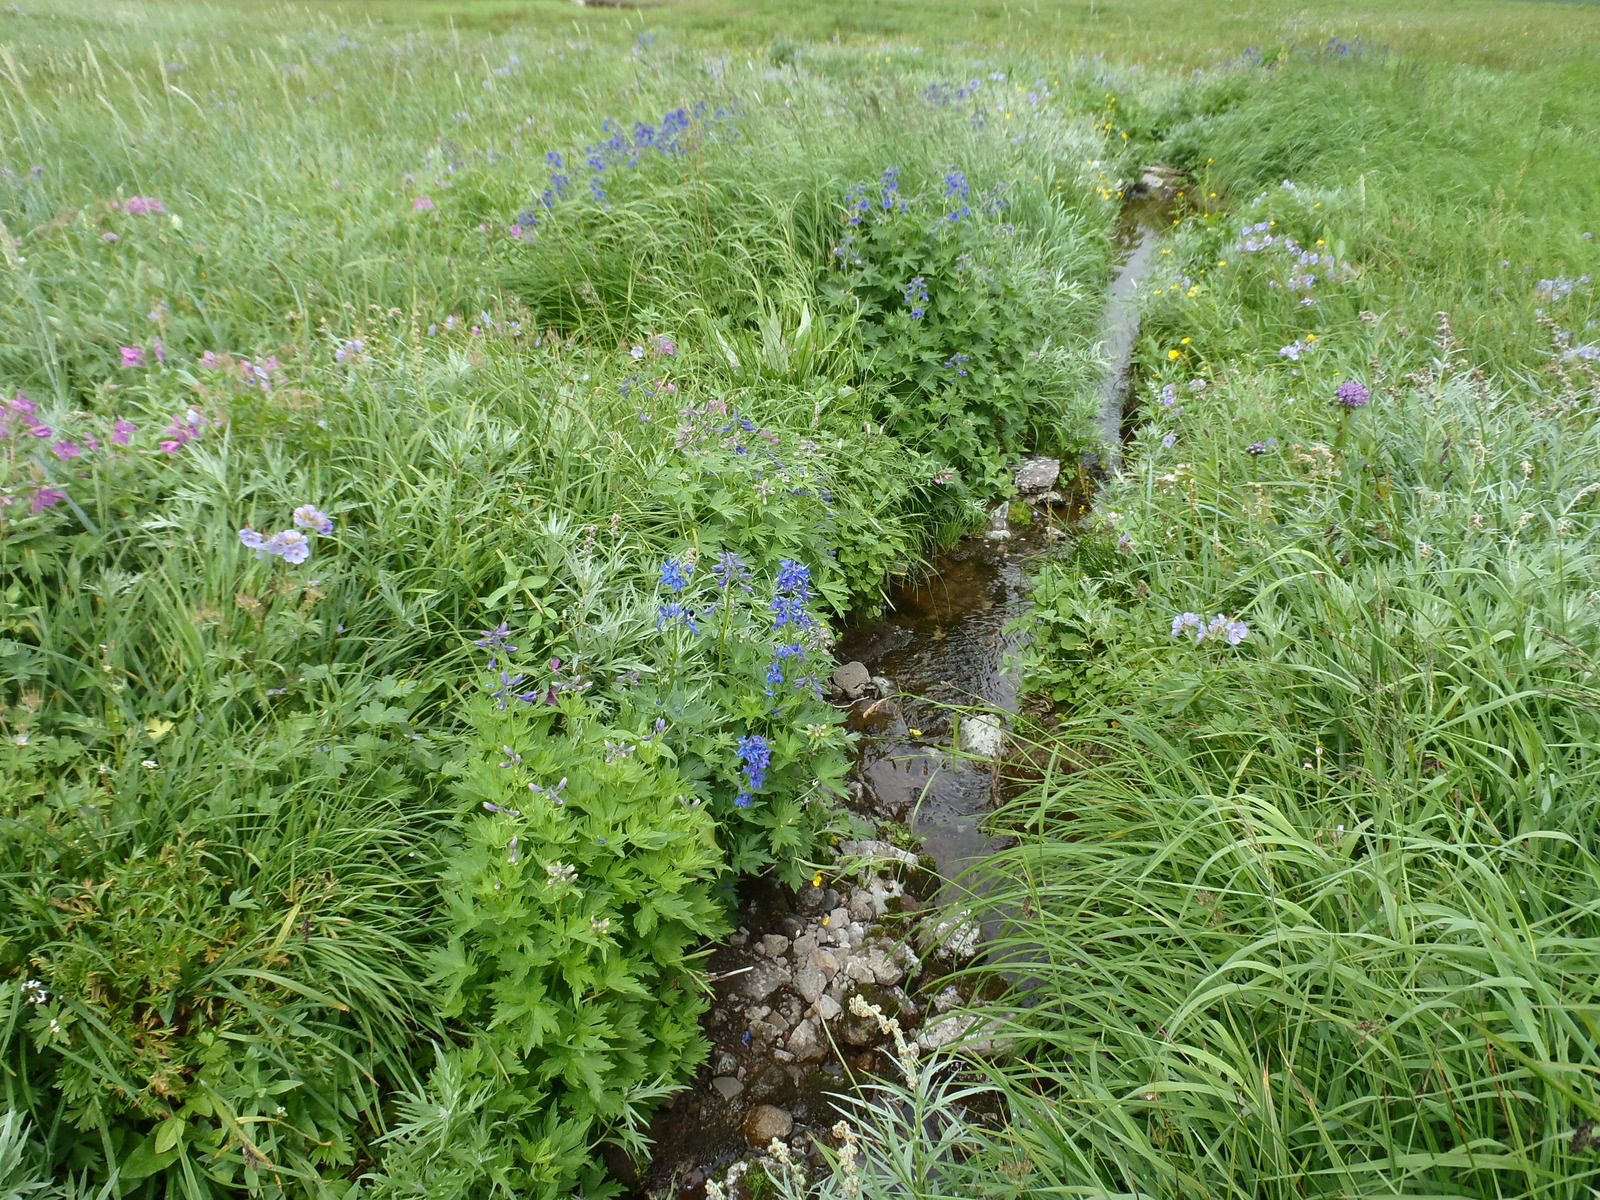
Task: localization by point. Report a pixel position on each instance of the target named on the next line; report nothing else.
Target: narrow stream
(947, 646)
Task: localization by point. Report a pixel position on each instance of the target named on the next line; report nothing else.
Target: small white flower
(150, 764)
(34, 991)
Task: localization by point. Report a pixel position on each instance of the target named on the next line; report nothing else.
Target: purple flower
(66, 449)
(676, 614)
(1351, 394)
(308, 516)
(666, 346)
(755, 756)
(422, 204)
(253, 540)
(731, 569)
(794, 577)
(1185, 621)
(108, 236)
(123, 431)
(1170, 440)
(290, 544)
(46, 497)
(142, 205)
(132, 356)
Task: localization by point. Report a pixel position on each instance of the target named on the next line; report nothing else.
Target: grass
(1312, 913)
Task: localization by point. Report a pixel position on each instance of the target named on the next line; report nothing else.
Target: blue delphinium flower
(891, 188)
(794, 578)
(730, 569)
(676, 614)
(675, 575)
(916, 295)
(956, 186)
(755, 756)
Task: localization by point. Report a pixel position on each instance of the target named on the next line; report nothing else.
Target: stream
(783, 1039)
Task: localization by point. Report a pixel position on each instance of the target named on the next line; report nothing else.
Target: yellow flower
(816, 880)
(1222, 262)
(1172, 353)
(1186, 341)
(914, 732)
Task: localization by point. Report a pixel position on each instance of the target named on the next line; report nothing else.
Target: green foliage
(573, 915)
(958, 322)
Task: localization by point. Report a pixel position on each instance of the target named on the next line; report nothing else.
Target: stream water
(947, 646)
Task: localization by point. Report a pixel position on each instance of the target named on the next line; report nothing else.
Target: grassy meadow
(439, 439)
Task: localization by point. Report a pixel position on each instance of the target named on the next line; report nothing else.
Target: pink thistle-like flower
(140, 206)
(132, 356)
(422, 204)
(109, 236)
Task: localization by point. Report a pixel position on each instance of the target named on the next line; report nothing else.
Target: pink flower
(108, 236)
(22, 405)
(47, 497)
(141, 205)
(210, 359)
(122, 432)
(65, 450)
(161, 352)
(422, 204)
(132, 356)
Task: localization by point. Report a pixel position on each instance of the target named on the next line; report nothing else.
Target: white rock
(806, 1042)
(824, 961)
(1037, 474)
(982, 735)
(727, 1086)
(775, 944)
(810, 982)
(828, 1008)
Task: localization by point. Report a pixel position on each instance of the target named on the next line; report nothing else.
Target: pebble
(775, 944)
(762, 980)
(765, 1122)
(828, 1008)
(727, 1086)
(810, 983)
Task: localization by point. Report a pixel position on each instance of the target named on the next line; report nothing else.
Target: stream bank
(928, 688)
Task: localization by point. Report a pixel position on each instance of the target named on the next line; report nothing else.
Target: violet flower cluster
(1231, 629)
(291, 545)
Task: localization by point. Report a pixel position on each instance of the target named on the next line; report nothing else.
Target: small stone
(939, 1034)
(858, 970)
(824, 961)
(782, 1056)
(882, 686)
(1037, 474)
(955, 937)
(998, 535)
(861, 908)
(765, 1122)
(806, 1043)
(947, 999)
(982, 735)
(999, 517)
(884, 969)
(762, 980)
(727, 1086)
(1047, 498)
(804, 947)
(810, 983)
(727, 1064)
(775, 944)
(852, 679)
(791, 926)
(838, 919)
(828, 1008)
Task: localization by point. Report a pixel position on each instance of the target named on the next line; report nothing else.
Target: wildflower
(1185, 621)
(599, 925)
(916, 295)
(1173, 353)
(34, 991)
(308, 516)
(794, 578)
(1170, 440)
(253, 540)
(289, 544)
(132, 356)
(731, 569)
(122, 432)
(422, 204)
(561, 872)
(675, 613)
(665, 346)
(1256, 448)
(512, 757)
(553, 793)
(108, 236)
(65, 450)
(1351, 394)
(140, 206)
(675, 575)
(1169, 395)
(636, 351)
(497, 638)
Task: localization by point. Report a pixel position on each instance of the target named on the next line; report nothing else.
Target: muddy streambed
(886, 924)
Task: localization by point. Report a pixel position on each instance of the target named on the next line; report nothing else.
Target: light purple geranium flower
(290, 544)
(308, 516)
(132, 356)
